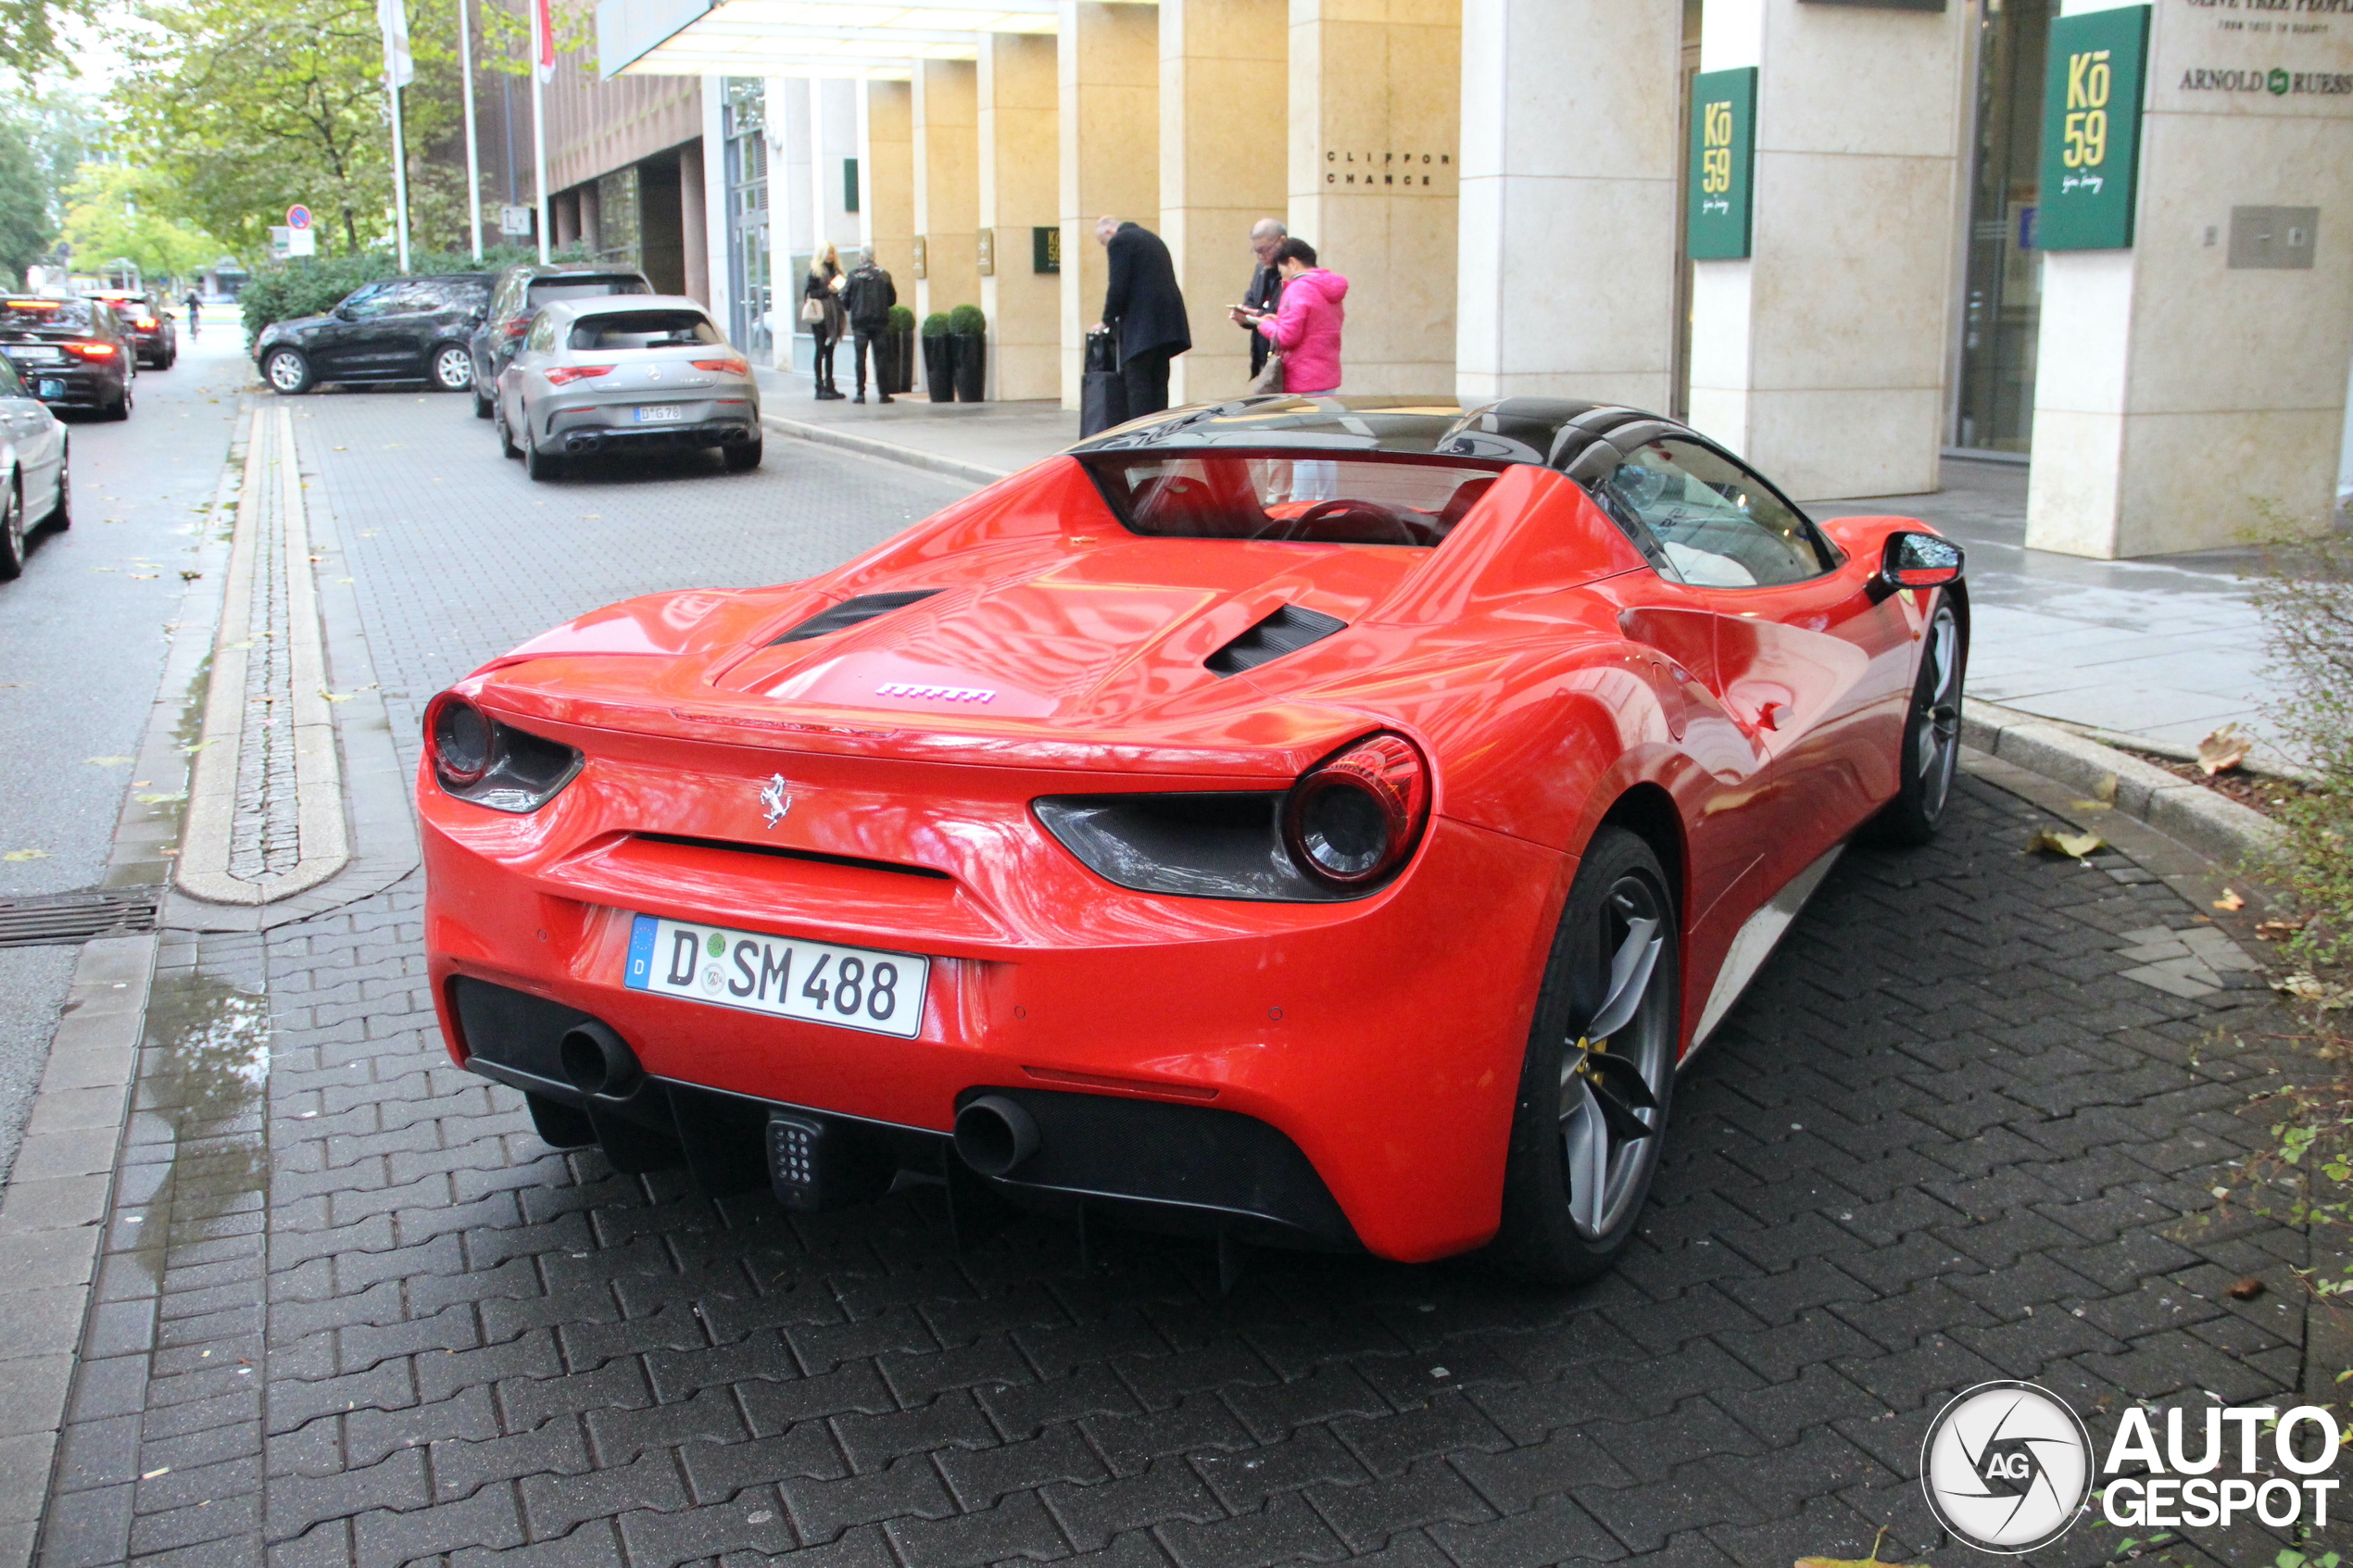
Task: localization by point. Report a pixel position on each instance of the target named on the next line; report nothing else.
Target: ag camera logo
(2007, 1467)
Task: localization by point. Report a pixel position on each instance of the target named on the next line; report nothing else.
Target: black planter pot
(902, 360)
(969, 358)
(939, 372)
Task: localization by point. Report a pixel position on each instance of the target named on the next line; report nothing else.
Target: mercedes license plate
(655, 413)
(811, 981)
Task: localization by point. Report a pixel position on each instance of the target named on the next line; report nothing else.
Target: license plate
(34, 352)
(50, 389)
(654, 413)
(814, 981)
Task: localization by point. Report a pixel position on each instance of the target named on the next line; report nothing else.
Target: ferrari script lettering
(938, 694)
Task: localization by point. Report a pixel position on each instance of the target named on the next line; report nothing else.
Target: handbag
(1271, 378)
(813, 311)
(1102, 352)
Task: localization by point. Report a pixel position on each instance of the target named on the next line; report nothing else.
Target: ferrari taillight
(564, 375)
(479, 760)
(1354, 819)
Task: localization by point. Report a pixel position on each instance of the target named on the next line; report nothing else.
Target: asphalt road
(351, 1311)
(82, 638)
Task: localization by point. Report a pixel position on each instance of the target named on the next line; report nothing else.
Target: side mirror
(345, 313)
(1917, 560)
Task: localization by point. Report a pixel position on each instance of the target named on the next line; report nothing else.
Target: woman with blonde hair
(821, 308)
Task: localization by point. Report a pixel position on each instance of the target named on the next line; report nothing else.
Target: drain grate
(48, 919)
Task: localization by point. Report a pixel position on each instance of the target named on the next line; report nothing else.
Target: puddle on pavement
(206, 1075)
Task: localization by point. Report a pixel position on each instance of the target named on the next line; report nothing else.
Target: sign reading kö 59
(1722, 163)
(2092, 129)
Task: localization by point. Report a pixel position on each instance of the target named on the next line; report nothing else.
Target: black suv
(516, 298)
(400, 329)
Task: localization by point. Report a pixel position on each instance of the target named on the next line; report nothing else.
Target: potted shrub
(898, 344)
(940, 378)
(968, 352)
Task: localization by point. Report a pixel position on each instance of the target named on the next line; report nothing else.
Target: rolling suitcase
(1102, 393)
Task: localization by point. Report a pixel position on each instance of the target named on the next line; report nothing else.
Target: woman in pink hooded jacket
(1306, 324)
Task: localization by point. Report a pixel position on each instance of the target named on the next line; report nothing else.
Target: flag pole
(400, 182)
(543, 66)
(473, 156)
(392, 19)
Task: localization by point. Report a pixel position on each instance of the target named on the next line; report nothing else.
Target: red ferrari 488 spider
(1322, 822)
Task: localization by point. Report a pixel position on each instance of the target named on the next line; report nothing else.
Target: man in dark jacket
(867, 296)
(1265, 293)
(1144, 305)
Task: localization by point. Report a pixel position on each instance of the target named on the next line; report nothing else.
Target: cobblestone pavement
(354, 1311)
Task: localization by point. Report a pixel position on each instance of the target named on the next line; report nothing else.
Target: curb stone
(889, 451)
(2214, 825)
(57, 1197)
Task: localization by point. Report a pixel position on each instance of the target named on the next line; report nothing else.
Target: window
(1717, 524)
(645, 329)
(545, 289)
(71, 315)
(543, 334)
(1351, 499)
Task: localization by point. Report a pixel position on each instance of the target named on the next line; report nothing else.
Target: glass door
(2003, 310)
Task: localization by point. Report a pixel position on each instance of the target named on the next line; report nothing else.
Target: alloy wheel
(11, 534)
(1614, 1069)
(1937, 743)
(453, 369)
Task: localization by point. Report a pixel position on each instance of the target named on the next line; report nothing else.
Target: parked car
(397, 329)
(72, 353)
(1328, 821)
(625, 374)
(153, 334)
(517, 296)
(35, 490)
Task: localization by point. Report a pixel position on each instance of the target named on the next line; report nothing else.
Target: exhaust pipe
(995, 1136)
(599, 1061)
(582, 444)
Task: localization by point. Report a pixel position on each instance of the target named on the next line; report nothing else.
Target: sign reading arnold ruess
(1723, 163)
(2092, 130)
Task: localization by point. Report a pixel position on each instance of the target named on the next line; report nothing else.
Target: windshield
(645, 329)
(71, 315)
(1291, 495)
(545, 289)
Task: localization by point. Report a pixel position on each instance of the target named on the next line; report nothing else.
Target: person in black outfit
(195, 307)
(1144, 305)
(1265, 292)
(824, 284)
(868, 296)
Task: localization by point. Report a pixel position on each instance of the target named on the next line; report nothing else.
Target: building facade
(1848, 238)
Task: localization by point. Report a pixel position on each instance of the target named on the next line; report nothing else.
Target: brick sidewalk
(353, 1311)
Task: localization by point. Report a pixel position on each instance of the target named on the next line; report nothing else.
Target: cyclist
(194, 304)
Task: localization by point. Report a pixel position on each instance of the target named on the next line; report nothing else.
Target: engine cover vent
(1287, 631)
(852, 612)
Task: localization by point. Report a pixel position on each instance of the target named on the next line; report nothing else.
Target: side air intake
(1287, 631)
(851, 612)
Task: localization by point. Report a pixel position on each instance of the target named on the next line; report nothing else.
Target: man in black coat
(1265, 293)
(1144, 305)
(868, 296)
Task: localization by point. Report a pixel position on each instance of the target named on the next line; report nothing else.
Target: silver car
(626, 374)
(35, 488)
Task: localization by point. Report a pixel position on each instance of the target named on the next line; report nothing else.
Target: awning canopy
(813, 38)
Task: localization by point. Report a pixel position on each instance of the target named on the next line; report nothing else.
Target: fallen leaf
(190, 576)
(25, 855)
(107, 762)
(142, 577)
(2230, 902)
(151, 1474)
(2272, 930)
(2246, 1289)
(191, 749)
(2091, 806)
(2223, 750)
(2074, 845)
(338, 696)
(159, 800)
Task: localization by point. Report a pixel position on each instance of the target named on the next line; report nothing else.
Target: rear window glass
(645, 329)
(1291, 495)
(72, 314)
(545, 289)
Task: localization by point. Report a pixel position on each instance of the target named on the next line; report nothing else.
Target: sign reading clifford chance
(1723, 163)
(2092, 130)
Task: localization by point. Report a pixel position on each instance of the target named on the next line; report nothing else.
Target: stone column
(886, 169)
(1107, 63)
(2192, 388)
(1224, 164)
(710, 190)
(1376, 128)
(1019, 192)
(833, 140)
(1822, 357)
(1566, 276)
(947, 184)
(694, 236)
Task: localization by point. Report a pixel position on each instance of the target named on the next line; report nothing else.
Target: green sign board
(2092, 130)
(1046, 248)
(1723, 163)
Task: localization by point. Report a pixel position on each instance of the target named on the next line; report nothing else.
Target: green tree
(29, 34)
(113, 210)
(25, 227)
(43, 140)
(253, 106)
